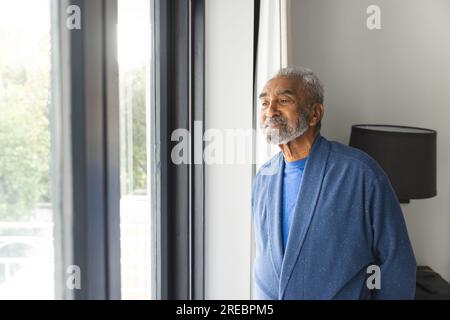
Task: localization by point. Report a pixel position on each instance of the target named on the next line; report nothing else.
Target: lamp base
(430, 285)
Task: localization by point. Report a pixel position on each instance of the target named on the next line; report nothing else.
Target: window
(26, 215)
(134, 40)
(84, 139)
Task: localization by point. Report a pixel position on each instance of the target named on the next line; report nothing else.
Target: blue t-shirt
(292, 179)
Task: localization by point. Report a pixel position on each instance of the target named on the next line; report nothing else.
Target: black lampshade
(406, 154)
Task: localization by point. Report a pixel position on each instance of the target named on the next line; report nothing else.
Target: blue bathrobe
(347, 218)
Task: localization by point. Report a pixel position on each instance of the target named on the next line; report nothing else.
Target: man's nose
(272, 110)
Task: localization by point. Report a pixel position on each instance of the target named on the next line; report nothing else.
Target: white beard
(284, 134)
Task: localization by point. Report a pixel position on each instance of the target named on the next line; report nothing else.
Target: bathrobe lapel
(304, 210)
(274, 204)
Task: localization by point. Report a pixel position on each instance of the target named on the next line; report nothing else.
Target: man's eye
(264, 104)
(284, 101)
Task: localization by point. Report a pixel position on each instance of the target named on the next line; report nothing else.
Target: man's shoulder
(340, 155)
(357, 158)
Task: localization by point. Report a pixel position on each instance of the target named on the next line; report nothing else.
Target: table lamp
(406, 154)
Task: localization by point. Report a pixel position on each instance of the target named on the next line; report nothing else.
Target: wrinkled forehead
(282, 85)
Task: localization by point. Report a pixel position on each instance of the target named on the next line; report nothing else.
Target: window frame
(87, 174)
(88, 178)
(179, 102)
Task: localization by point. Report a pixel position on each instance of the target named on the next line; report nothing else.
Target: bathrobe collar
(309, 191)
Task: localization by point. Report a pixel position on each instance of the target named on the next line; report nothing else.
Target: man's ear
(317, 111)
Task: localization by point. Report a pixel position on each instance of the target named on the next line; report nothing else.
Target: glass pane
(26, 219)
(134, 40)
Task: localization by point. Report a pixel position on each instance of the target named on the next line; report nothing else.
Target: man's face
(284, 110)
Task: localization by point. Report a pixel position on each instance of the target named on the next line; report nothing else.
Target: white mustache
(272, 121)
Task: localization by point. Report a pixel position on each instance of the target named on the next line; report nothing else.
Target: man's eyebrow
(284, 91)
(278, 92)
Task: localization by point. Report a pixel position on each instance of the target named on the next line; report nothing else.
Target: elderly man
(328, 224)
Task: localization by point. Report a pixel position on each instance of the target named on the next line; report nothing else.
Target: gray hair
(313, 85)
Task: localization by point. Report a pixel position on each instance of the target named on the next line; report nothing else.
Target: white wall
(397, 75)
(229, 91)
